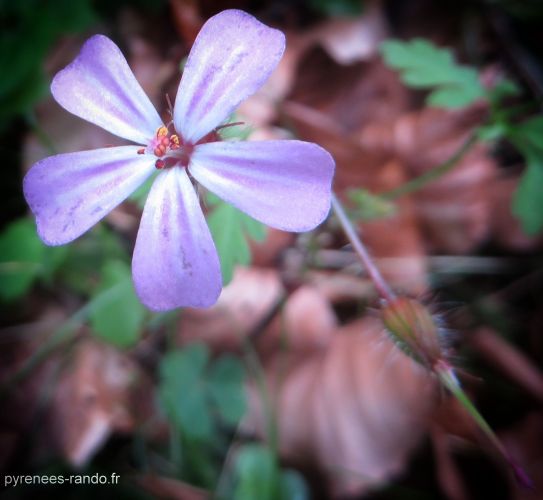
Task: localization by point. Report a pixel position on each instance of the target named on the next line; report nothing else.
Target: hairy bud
(414, 329)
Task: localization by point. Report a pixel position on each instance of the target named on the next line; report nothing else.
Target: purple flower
(284, 184)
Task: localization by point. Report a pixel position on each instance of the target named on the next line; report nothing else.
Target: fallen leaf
(355, 411)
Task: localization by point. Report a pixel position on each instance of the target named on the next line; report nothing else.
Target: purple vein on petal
(232, 57)
(69, 193)
(284, 184)
(99, 87)
(175, 263)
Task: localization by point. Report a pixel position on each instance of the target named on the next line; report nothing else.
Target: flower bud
(414, 330)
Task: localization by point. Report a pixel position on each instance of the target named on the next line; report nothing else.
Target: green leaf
(528, 198)
(87, 256)
(119, 319)
(423, 65)
(21, 255)
(368, 206)
(239, 132)
(29, 29)
(194, 390)
(230, 229)
(139, 196)
(183, 392)
(226, 388)
(293, 485)
(528, 135)
(257, 473)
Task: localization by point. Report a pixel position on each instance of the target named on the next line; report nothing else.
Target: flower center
(168, 149)
(171, 151)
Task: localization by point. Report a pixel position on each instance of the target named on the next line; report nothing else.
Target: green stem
(433, 174)
(447, 377)
(373, 272)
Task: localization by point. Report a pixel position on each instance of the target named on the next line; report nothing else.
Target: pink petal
(284, 184)
(233, 55)
(69, 193)
(99, 87)
(175, 262)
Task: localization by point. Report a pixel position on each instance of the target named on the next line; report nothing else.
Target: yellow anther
(174, 141)
(162, 131)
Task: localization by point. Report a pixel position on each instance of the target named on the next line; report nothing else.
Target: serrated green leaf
(226, 377)
(425, 66)
(118, 320)
(230, 229)
(21, 254)
(528, 199)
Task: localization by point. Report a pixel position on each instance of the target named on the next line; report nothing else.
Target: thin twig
(433, 174)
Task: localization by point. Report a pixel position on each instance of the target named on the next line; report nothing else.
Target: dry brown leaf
(355, 411)
(394, 237)
(305, 323)
(267, 252)
(251, 294)
(455, 210)
(350, 40)
(93, 400)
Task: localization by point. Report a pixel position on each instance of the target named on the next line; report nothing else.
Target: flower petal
(69, 193)
(99, 87)
(284, 184)
(233, 55)
(175, 262)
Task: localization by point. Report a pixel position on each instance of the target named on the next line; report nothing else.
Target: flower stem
(448, 378)
(433, 174)
(380, 284)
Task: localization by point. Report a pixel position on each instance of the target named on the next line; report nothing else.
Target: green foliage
(196, 392)
(528, 199)
(338, 8)
(139, 196)
(230, 229)
(87, 256)
(119, 319)
(24, 259)
(368, 206)
(258, 476)
(422, 65)
(21, 254)
(29, 28)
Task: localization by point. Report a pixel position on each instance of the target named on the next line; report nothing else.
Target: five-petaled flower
(284, 184)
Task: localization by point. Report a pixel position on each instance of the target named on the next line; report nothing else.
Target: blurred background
(289, 387)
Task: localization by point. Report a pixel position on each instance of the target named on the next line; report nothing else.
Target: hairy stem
(447, 377)
(380, 284)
